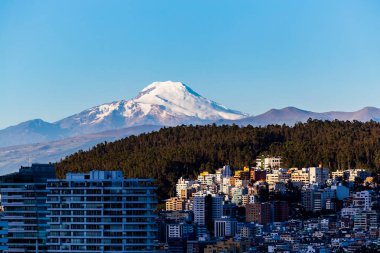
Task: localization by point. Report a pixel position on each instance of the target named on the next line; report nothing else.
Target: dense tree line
(185, 150)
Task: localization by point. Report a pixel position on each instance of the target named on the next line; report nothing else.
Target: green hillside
(185, 150)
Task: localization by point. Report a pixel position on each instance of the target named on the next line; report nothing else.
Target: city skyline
(189, 126)
(249, 56)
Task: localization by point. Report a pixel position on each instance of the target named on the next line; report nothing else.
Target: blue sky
(60, 57)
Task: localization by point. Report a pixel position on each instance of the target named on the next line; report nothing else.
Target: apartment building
(101, 211)
(23, 196)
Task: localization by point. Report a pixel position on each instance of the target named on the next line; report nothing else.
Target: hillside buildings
(229, 210)
(272, 209)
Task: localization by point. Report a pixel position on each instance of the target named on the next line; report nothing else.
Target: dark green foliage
(171, 153)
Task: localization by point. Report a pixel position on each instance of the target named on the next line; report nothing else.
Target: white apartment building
(268, 162)
(174, 230)
(362, 200)
(182, 186)
(318, 175)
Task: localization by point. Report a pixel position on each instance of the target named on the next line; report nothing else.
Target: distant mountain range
(292, 115)
(159, 104)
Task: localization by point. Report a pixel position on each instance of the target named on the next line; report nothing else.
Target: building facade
(101, 212)
(175, 204)
(23, 196)
(318, 175)
(3, 236)
(259, 212)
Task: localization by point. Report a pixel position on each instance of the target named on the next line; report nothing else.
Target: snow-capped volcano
(160, 103)
(178, 99)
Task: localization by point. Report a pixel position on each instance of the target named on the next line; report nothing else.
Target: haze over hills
(11, 158)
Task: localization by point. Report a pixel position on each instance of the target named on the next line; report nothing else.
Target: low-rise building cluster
(268, 208)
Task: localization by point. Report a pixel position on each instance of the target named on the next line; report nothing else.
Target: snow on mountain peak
(165, 85)
(177, 98)
(160, 103)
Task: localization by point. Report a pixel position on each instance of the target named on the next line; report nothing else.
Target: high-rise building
(217, 206)
(206, 209)
(199, 209)
(23, 196)
(307, 194)
(101, 211)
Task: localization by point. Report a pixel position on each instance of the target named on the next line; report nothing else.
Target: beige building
(175, 204)
(277, 176)
(300, 176)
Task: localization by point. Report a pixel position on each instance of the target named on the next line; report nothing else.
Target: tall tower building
(23, 196)
(206, 209)
(101, 211)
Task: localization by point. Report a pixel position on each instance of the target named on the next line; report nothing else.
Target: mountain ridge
(160, 103)
(167, 104)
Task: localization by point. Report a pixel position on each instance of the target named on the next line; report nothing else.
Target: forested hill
(185, 150)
